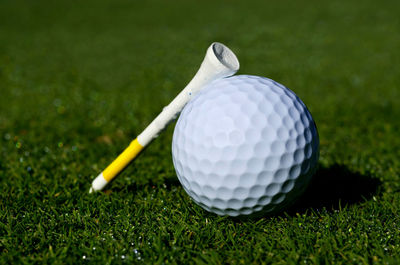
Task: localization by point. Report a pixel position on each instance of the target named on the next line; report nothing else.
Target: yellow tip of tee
(122, 160)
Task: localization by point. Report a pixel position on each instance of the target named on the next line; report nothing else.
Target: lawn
(80, 79)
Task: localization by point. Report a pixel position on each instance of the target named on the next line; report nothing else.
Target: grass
(78, 80)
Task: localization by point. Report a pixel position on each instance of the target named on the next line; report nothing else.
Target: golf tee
(219, 62)
(117, 166)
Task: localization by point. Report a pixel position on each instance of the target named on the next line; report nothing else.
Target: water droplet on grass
(57, 102)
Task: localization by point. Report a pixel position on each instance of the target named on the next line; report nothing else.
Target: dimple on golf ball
(245, 145)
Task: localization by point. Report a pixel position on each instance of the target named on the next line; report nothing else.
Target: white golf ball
(245, 145)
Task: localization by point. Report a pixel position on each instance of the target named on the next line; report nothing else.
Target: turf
(80, 79)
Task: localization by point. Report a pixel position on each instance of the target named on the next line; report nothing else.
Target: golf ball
(245, 145)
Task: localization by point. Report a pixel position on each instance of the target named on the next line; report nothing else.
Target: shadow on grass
(336, 187)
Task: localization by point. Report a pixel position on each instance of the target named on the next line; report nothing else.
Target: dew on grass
(122, 256)
(7, 136)
(94, 248)
(137, 254)
(83, 257)
(57, 102)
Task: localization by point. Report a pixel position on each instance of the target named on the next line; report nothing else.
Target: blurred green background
(80, 79)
